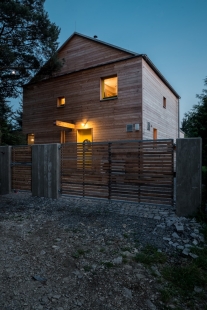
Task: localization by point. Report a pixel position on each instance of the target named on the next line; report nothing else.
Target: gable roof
(130, 55)
(97, 41)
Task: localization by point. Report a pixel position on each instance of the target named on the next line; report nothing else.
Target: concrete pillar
(46, 170)
(188, 176)
(5, 170)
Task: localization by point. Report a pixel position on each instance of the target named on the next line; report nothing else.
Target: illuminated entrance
(84, 148)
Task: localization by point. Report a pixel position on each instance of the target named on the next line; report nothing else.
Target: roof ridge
(97, 41)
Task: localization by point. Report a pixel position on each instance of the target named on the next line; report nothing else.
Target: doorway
(154, 133)
(84, 148)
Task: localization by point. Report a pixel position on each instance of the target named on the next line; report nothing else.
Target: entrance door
(84, 135)
(84, 149)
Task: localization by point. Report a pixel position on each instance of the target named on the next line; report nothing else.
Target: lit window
(30, 138)
(60, 102)
(109, 87)
(164, 102)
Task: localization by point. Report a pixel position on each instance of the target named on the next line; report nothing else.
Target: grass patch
(125, 236)
(149, 255)
(108, 264)
(183, 279)
(87, 268)
(78, 253)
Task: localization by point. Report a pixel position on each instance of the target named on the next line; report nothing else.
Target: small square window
(30, 138)
(109, 87)
(164, 102)
(60, 102)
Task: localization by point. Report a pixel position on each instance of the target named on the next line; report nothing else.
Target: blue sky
(173, 33)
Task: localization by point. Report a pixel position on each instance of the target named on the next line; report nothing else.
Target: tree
(194, 123)
(28, 40)
(10, 125)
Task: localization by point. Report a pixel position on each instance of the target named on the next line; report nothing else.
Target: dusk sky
(173, 34)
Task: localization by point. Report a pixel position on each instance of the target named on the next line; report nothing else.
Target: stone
(193, 255)
(175, 235)
(195, 242)
(127, 293)
(194, 235)
(180, 247)
(179, 227)
(118, 260)
(150, 305)
(140, 276)
(198, 289)
(185, 252)
(166, 239)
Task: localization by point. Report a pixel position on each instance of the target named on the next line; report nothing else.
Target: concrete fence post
(5, 170)
(46, 170)
(188, 176)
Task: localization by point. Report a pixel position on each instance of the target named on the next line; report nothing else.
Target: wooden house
(101, 93)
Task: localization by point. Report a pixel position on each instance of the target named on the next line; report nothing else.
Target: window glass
(109, 87)
(60, 102)
(30, 138)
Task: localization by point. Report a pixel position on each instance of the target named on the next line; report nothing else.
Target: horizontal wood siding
(80, 53)
(107, 118)
(21, 168)
(140, 171)
(165, 120)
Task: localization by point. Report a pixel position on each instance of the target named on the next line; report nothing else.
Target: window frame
(102, 98)
(30, 136)
(59, 104)
(164, 102)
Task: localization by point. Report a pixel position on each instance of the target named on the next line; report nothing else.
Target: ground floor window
(30, 138)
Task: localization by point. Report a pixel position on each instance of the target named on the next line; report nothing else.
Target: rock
(193, 255)
(198, 289)
(175, 235)
(179, 227)
(39, 278)
(118, 260)
(195, 242)
(56, 296)
(140, 276)
(150, 305)
(185, 252)
(180, 247)
(127, 293)
(166, 239)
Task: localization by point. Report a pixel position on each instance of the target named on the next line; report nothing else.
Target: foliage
(10, 125)
(183, 278)
(194, 123)
(27, 40)
(149, 255)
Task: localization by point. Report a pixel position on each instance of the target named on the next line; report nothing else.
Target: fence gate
(141, 171)
(21, 167)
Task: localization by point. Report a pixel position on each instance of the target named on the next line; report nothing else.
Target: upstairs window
(164, 102)
(109, 87)
(60, 102)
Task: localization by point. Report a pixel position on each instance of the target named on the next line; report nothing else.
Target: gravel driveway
(75, 253)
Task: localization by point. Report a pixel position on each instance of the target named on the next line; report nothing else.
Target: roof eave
(150, 63)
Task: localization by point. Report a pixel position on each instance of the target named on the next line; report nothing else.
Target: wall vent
(129, 127)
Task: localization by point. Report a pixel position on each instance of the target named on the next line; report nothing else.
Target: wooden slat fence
(21, 167)
(140, 171)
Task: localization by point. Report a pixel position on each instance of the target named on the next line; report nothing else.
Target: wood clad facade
(159, 106)
(85, 63)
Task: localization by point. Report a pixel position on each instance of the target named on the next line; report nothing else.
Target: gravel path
(75, 253)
